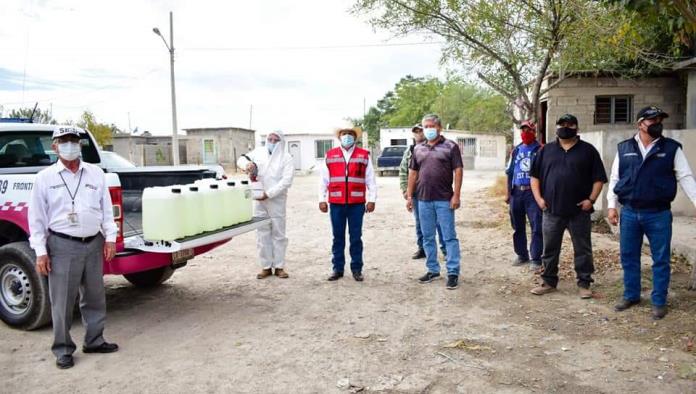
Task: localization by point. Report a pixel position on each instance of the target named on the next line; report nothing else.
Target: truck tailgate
(137, 242)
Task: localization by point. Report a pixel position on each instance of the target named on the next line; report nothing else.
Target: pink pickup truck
(25, 149)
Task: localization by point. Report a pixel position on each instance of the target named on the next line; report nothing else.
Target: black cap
(651, 112)
(567, 118)
(193, 188)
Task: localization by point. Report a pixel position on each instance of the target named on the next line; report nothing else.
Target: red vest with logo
(347, 186)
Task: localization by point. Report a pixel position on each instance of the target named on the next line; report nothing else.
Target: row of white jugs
(179, 211)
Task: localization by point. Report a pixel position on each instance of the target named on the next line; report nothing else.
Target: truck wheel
(24, 299)
(150, 278)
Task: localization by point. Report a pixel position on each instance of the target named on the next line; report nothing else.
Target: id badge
(73, 220)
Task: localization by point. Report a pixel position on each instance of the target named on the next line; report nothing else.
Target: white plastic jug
(208, 209)
(217, 199)
(256, 190)
(192, 224)
(245, 206)
(230, 196)
(160, 213)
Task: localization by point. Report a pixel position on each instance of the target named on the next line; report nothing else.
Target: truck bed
(133, 181)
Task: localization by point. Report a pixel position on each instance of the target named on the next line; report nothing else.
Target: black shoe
(452, 282)
(420, 254)
(65, 362)
(519, 261)
(358, 276)
(429, 277)
(103, 348)
(658, 312)
(625, 304)
(335, 276)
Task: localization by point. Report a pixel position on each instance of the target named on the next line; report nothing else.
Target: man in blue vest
(644, 179)
(521, 200)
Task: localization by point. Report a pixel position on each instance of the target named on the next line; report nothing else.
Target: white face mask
(271, 146)
(69, 151)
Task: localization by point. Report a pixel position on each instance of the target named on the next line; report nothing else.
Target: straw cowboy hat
(348, 127)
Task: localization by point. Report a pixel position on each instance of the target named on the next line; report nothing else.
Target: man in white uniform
(72, 231)
(275, 170)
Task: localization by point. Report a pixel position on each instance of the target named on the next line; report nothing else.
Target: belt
(523, 187)
(84, 240)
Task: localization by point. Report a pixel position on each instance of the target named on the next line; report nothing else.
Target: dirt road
(214, 327)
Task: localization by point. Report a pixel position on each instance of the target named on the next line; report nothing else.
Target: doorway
(295, 152)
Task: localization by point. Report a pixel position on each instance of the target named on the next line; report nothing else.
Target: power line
(302, 48)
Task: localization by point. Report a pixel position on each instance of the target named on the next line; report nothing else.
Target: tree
(461, 105)
(39, 116)
(513, 45)
(465, 106)
(102, 132)
(413, 98)
(675, 19)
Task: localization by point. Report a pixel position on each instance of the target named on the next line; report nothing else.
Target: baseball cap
(528, 123)
(651, 112)
(567, 118)
(60, 131)
(415, 127)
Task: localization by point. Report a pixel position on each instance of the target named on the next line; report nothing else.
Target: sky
(299, 66)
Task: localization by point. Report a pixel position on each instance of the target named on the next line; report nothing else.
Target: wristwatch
(592, 201)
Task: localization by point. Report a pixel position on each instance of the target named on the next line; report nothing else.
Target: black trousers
(580, 228)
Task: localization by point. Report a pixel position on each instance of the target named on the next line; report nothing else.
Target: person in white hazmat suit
(275, 170)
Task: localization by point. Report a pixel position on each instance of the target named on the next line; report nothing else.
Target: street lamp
(170, 48)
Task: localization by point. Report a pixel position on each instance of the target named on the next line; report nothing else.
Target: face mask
(69, 150)
(527, 137)
(655, 130)
(566, 133)
(271, 146)
(347, 140)
(430, 133)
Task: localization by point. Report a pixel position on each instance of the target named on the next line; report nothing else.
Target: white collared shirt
(370, 180)
(681, 170)
(51, 203)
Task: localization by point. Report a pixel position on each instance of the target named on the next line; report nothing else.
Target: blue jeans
(657, 226)
(419, 233)
(432, 214)
(353, 214)
(523, 207)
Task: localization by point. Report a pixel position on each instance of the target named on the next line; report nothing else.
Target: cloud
(296, 63)
(15, 81)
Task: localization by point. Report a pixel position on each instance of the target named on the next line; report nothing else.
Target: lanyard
(72, 196)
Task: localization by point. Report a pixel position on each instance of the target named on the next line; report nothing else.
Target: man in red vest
(348, 184)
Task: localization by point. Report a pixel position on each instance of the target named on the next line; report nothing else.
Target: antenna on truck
(33, 111)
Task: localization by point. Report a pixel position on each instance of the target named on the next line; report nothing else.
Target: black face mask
(566, 133)
(655, 130)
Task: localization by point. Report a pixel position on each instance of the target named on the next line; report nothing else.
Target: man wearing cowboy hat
(644, 178)
(347, 190)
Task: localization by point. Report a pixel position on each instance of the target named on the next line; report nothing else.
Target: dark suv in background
(390, 159)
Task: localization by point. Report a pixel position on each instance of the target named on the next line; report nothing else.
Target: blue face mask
(271, 146)
(430, 133)
(347, 140)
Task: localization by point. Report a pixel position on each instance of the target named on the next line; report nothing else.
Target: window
(613, 109)
(321, 147)
(33, 148)
(467, 146)
(403, 141)
(488, 148)
(393, 151)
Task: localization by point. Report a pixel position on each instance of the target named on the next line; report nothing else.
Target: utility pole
(170, 47)
(251, 112)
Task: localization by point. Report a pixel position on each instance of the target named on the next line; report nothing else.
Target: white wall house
(480, 151)
(307, 149)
